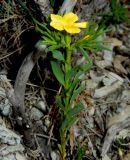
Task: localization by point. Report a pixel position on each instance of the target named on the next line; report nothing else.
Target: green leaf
(74, 111)
(68, 79)
(54, 47)
(57, 72)
(114, 4)
(52, 2)
(80, 153)
(42, 25)
(89, 61)
(76, 92)
(68, 123)
(46, 34)
(60, 103)
(58, 55)
(48, 42)
(56, 35)
(75, 82)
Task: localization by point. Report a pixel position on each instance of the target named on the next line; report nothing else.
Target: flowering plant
(60, 42)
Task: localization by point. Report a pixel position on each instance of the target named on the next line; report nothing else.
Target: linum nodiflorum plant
(58, 36)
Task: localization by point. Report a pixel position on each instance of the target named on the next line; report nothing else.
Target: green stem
(67, 74)
(66, 98)
(67, 67)
(63, 142)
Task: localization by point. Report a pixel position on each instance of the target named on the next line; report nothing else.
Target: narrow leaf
(54, 47)
(57, 72)
(89, 61)
(58, 55)
(74, 111)
(76, 92)
(59, 102)
(75, 83)
(68, 122)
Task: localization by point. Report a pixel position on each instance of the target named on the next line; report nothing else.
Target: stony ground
(103, 127)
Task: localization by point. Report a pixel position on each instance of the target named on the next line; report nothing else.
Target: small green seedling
(118, 14)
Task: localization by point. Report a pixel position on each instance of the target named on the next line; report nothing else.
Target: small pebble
(54, 156)
(41, 105)
(36, 114)
(47, 122)
(45, 129)
(80, 138)
(6, 110)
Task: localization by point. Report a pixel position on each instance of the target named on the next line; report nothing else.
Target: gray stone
(36, 114)
(41, 105)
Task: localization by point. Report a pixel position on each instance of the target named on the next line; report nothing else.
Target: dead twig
(39, 148)
(9, 54)
(7, 19)
(51, 130)
(111, 133)
(45, 136)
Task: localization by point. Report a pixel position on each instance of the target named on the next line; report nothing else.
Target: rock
(36, 114)
(2, 92)
(45, 7)
(111, 78)
(16, 156)
(10, 144)
(91, 111)
(96, 76)
(108, 55)
(90, 85)
(115, 42)
(8, 157)
(5, 106)
(7, 109)
(123, 134)
(80, 138)
(19, 157)
(90, 121)
(47, 122)
(41, 105)
(118, 60)
(106, 158)
(6, 149)
(45, 129)
(54, 156)
(103, 63)
(89, 106)
(8, 137)
(126, 96)
(117, 118)
(105, 91)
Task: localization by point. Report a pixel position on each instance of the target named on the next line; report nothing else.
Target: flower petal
(70, 17)
(81, 24)
(56, 18)
(57, 26)
(57, 22)
(72, 29)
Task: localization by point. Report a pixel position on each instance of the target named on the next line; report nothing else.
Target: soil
(103, 128)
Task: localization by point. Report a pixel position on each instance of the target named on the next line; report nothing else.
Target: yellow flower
(67, 23)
